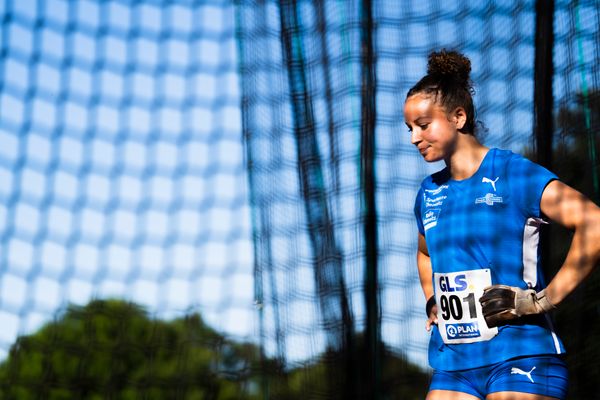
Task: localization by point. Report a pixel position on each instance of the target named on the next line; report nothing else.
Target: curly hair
(448, 80)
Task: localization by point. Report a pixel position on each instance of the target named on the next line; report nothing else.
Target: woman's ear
(459, 117)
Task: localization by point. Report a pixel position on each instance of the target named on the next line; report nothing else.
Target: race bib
(457, 294)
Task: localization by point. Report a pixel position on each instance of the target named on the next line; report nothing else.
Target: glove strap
(544, 301)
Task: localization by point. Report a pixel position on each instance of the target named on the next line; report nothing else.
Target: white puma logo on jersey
(521, 372)
(492, 182)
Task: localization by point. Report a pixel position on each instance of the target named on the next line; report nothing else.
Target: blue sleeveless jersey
(490, 222)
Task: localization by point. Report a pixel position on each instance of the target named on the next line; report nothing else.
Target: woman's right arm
(425, 276)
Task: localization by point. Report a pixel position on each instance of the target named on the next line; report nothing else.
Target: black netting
(135, 261)
(122, 177)
(322, 83)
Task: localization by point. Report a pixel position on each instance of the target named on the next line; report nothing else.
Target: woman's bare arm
(573, 210)
(425, 276)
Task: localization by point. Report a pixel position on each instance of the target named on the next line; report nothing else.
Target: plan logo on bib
(462, 331)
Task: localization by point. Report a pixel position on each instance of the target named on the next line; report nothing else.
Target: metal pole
(372, 346)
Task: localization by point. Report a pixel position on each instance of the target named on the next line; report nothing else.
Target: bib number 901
(460, 317)
(452, 306)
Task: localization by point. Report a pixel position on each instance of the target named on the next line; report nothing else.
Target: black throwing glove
(502, 303)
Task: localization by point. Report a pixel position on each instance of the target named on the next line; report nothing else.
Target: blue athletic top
(490, 222)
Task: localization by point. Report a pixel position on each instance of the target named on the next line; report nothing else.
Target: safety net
(214, 200)
(125, 240)
(333, 175)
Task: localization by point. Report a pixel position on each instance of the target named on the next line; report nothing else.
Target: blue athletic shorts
(544, 375)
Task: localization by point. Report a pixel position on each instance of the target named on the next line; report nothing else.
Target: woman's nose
(415, 137)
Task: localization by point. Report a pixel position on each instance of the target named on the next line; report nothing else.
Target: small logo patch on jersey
(437, 191)
(435, 201)
(490, 199)
(430, 218)
(491, 182)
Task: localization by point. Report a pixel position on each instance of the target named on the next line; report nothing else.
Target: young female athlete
(478, 221)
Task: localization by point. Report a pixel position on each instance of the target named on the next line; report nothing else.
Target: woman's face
(432, 130)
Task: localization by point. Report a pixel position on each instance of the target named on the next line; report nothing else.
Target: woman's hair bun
(449, 64)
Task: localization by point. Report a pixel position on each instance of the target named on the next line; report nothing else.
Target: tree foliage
(112, 349)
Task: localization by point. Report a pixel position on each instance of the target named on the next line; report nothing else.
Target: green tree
(112, 349)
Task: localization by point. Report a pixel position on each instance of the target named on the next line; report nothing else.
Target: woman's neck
(466, 158)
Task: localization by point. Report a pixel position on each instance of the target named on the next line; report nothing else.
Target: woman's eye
(424, 127)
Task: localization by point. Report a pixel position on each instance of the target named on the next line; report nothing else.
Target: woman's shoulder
(509, 155)
(505, 154)
(511, 162)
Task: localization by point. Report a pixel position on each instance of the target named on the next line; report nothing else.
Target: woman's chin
(430, 157)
